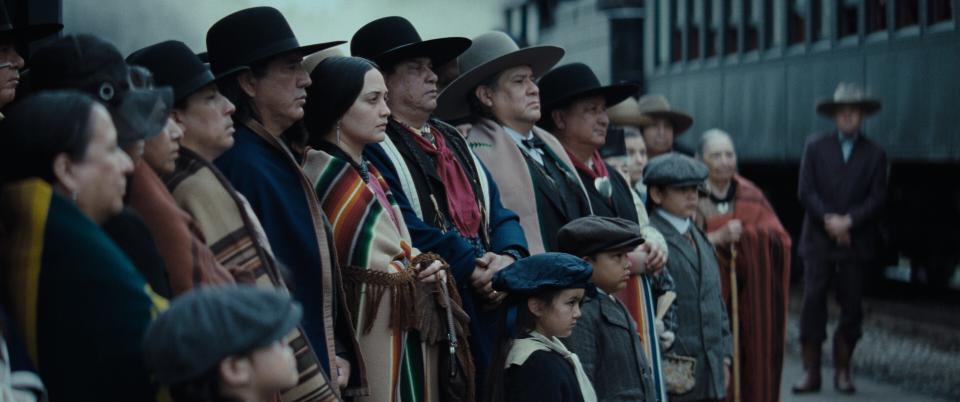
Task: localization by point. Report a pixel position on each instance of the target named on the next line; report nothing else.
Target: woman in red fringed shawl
(737, 216)
(391, 287)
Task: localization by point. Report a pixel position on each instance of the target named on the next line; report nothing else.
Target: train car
(756, 68)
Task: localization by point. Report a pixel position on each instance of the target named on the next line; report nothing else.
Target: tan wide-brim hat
(848, 94)
(657, 106)
(490, 54)
(627, 113)
(310, 62)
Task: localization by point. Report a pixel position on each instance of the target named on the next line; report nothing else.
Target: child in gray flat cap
(703, 331)
(224, 344)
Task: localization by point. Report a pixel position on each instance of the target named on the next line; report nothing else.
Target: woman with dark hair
(76, 298)
(390, 286)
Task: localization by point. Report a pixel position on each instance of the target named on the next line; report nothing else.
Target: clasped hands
(838, 227)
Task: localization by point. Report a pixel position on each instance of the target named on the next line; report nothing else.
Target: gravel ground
(912, 346)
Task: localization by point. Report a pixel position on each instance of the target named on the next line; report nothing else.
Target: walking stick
(735, 325)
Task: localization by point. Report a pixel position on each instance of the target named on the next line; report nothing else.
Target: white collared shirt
(536, 154)
(678, 223)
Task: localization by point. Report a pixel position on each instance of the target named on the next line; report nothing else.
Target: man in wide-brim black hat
(842, 187)
(497, 91)
(230, 229)
(575, 111)
(449, 202)
(10, 60)
(263, 166)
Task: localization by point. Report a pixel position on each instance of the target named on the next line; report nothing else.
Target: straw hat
(627, 113)
(657, 106)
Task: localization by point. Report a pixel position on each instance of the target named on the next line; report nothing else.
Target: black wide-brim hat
(390, 40)
(252, 35)
(90, 64)
(27, 33)
(570, 82)
(174, 64)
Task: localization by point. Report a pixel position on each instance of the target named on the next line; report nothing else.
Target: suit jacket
(703, 331)
(543, 208)
(857, 187)
(606, 341)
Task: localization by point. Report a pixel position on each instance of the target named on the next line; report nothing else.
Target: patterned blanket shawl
(233, 233)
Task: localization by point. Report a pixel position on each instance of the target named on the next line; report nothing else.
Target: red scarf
(599, 168)
(461, 201)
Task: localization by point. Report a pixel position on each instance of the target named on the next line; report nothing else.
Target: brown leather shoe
(810, 381)
(842, 354)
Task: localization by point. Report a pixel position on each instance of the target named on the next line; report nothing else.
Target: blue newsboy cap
(542, 272)
(206, 325)
(674, 170)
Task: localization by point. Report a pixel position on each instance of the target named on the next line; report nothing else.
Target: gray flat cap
(587, 236)
(206, 325)
(674, 170)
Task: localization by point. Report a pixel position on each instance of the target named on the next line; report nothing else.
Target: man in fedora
(10, 60)
(449, 201)
(229, 227)
(497, 92)
(663, 125)
(269, 96)
(842, 186)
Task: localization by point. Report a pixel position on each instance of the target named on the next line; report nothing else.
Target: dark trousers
(847, 280)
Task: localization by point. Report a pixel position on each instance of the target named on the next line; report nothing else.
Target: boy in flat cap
(703, 331)
(606, 332)
(225, 344)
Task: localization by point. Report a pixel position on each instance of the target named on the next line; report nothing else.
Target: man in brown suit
(842, 186)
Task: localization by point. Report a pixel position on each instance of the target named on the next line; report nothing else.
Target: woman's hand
(432, 272)
(343, 371)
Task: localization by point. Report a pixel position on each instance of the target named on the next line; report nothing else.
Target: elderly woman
(390, 286)
(74, 295)
(754, 250)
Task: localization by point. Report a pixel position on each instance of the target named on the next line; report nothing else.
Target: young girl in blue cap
(531, 364)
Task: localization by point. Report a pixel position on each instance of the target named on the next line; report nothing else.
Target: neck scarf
(461, 201)
(599, 169)
(523, 348)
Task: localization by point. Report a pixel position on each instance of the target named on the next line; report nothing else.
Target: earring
(73, 196)
(338, 133)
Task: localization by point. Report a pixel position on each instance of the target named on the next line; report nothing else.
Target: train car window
(908, 13)
(751, 30)
(713, 12)
(734, 12)
(939, 10)
(847, 15)
(818, 20)
(676, 31)
(796, 26)
(876, 15)
(693, 34)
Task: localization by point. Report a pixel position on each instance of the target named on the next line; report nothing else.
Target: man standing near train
(842, 186)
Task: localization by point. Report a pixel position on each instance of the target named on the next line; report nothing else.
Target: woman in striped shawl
(390, 286)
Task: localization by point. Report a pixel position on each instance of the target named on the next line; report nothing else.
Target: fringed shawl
(235, 236)
(372, 243)
(79, 303)
(763, 278)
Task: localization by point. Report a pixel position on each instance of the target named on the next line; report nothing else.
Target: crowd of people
(271, 221)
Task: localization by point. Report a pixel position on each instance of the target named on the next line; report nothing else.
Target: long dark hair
(337, 82)
(525, 323)
(41, 127)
